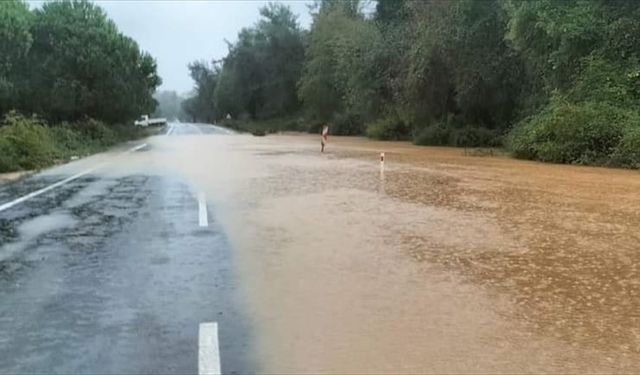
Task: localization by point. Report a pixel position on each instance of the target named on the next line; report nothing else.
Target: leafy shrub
(627, 152)
(68, 139)
(433, 135)
(470, 136)
(602, 80)
(390, 128)
(346, 124)
(26, 143)
(583, 133)
(441, 134)
(95, 131)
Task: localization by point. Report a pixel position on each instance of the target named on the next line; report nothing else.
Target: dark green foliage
(260, 73)
(67, 60)
(25, 144)
(458, 73)
(202, 106)
(29, 143)
(585, 133)
(441, 134)
(433, 135)
(15, 42)
(390, 128)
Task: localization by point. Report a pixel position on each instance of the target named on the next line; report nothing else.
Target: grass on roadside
(30, 143)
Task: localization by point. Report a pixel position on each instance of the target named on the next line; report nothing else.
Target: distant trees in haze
(169, 105)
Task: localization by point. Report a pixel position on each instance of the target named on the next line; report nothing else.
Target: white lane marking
(196, 127)
(138, 147)
(208, 349)
(170, 130)
(46, 189)
(203, 220)
(33, 194)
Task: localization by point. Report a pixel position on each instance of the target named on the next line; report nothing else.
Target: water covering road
(112, 273)
(442, 262)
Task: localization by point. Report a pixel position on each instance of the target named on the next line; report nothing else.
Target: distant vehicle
(146, 121)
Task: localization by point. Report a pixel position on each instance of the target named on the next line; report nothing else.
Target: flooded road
(442, 262)
(111, 273)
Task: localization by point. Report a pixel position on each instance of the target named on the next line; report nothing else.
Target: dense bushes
(25, 144)
(441, 134)
(29, 143)
(391, 128)
(584, 133)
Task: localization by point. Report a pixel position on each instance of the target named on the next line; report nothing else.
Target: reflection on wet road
(318, 263)
(112, 274)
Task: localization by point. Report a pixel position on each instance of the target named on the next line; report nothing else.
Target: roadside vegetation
(29, 143)
(556, 81)
(70, 83)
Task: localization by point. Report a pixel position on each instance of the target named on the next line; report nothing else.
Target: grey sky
(177, 32)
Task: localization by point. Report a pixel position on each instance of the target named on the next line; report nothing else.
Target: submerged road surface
(133, 261)
(115, 270)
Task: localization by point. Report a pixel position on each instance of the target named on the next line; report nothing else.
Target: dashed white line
(208, 349)
(137, 147)
(203, 219)
(34, 194)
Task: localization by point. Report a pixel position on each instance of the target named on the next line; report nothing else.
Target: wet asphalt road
(114, 275)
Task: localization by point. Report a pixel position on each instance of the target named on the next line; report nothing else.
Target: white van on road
(146, 121)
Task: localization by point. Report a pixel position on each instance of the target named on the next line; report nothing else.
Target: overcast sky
(177, 32)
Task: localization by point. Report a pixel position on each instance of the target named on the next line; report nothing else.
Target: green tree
(258, 77)
(81, 65)
(202, 106)
(15, 42)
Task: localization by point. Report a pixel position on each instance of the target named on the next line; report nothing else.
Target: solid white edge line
(170, 130)
(45, 189)
(208, 349)
(203, 220)
(34, 194)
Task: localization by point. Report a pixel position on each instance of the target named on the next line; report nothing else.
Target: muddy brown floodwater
(443, 263)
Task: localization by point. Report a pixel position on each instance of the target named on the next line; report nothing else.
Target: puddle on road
(445, 263)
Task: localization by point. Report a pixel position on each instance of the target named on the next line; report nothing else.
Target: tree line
(70, 83)
(67, 60)
(550, 80)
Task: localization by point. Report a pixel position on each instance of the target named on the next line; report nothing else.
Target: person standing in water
(324, 136)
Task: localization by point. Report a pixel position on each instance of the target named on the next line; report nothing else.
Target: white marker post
(381, 161)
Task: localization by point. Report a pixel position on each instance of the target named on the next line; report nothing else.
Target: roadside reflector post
(381, 160)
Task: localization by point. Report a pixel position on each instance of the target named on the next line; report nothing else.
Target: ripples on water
(561, 242)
